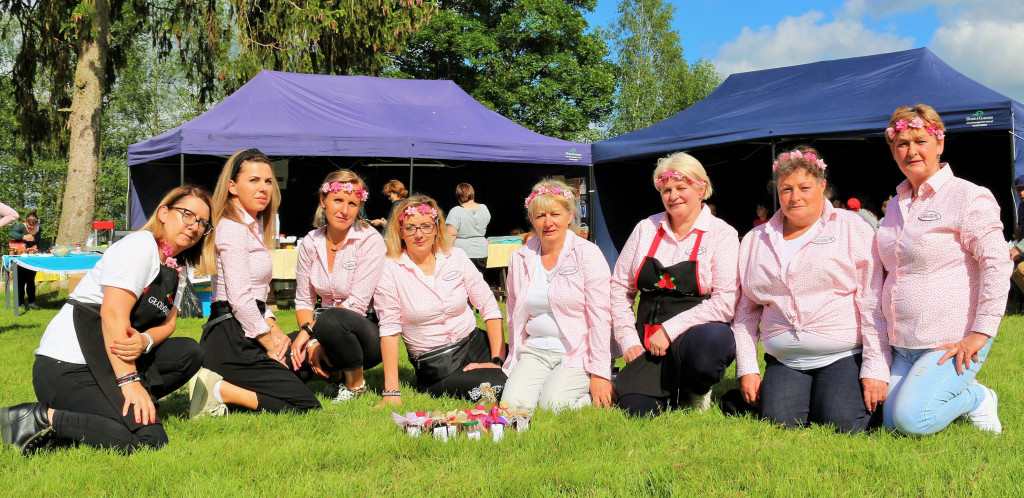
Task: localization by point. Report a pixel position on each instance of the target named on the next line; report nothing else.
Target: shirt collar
(244, 215)
(702, 223)
(829, 214)
(354, 234)
(934, 183)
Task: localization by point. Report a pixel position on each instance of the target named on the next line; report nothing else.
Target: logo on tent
(979, 120)
(572, 155)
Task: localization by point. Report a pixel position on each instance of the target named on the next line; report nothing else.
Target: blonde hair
(685, 165)
(193, 255)
(393, 230)
(791, 164)
(341, 176)
(546, 201)
(223, 208)
(908, 114)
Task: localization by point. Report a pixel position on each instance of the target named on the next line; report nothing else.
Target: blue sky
(983, 39)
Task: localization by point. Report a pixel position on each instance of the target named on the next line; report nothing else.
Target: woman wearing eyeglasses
(422, 296)
(108, 356)
(247, 361)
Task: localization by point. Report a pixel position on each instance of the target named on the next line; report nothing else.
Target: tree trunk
(84, 123)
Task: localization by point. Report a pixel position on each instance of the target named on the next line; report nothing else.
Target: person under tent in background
(30, 234)
(395, 192)
(467, 224)
(853, 204)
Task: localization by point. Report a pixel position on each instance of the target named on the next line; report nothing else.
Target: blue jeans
(828, 395)
(924, 397)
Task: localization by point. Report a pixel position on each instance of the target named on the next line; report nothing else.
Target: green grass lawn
(355, 448)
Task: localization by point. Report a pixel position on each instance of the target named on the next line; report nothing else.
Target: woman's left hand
(130, 348)
(299, 349)
(474, 366)
(659, 342)
(601, 392)
(964, 351)
(874, 393)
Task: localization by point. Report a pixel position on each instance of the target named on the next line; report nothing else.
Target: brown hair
(395, 187)
(393, 230)
(789, 165)
(222, 207)
(341, 176)
(908, 114)
(464, 193)
(193, 255)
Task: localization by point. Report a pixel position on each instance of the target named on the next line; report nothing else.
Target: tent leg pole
(590, 209)
(181, 163)
(410, 174)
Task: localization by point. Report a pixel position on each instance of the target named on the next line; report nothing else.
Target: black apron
(664, 293)
(150, 310)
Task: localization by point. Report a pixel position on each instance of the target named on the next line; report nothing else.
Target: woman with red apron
(683, 264)
(107, 357)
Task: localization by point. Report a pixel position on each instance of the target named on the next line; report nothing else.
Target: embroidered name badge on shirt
(823, 239)
(930, 216)
(349, 265)
(452, 275)
(569, 270)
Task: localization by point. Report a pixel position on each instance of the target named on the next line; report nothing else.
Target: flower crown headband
(553, 190)
(346, 187)
(917, 122)
(675, 175)
(796, 154)
(421, 209)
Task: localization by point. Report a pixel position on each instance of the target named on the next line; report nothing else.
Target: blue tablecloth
(80, 263)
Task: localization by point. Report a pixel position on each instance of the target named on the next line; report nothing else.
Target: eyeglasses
(410, 230)
(189, 218)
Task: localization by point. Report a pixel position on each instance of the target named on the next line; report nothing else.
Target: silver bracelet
(393, 392)
(311, 343)
(151, 343)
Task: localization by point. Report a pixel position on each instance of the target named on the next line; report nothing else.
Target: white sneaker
(345, 394)
(204, 402)
(701, 402)
(986, 416)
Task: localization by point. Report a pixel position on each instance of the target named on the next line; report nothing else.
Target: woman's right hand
(275, 343)
(28, 238)
(633, 353)
(299, 349)
(317, 361)
(750, 386)
(135, 394)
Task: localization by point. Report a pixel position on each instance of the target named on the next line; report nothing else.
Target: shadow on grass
(16, 326)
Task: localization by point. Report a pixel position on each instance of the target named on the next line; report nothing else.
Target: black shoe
(26, 426)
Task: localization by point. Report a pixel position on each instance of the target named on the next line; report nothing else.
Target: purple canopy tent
(319, 117)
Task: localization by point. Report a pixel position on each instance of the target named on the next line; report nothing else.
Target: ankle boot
(26, 427)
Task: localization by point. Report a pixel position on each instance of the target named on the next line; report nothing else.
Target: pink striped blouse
(430, 312)
(948, 265)
(357, 269)
(716, 272)
(831, 289)
(244, 270)
(580, 303)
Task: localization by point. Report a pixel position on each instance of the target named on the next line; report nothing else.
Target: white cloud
(803, 39)
(990, 51)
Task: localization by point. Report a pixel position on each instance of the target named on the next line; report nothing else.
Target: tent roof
(290, 114)
(852, 97)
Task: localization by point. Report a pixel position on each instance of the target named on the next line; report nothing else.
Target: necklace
(330, 243)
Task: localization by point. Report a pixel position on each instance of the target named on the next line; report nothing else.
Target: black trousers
(244, 363)
(26, 285)
(828, 395)
(705, 352)
(82, 414)
(350, 340)
(462, 384)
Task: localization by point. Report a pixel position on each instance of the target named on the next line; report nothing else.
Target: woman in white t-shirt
(108, 356)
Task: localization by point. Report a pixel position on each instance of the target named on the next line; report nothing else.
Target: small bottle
(78, 248)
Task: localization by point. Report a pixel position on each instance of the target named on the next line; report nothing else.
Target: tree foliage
(530, 60)
(654, 79)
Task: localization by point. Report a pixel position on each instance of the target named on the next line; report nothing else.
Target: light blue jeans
(924, 397)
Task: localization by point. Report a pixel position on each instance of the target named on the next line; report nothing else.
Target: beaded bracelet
(393, 392)
(311, 344)
(128, 378)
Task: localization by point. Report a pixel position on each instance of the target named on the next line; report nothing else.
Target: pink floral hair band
(918, 123)
(796, 154)
(675, 175)
(347, 187)
(414, 210)
(553, 190)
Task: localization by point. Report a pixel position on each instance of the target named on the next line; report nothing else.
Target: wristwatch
(497, 361)
(307, 328)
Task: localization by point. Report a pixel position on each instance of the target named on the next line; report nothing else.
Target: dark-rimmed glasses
(189, 218)
(410, 230)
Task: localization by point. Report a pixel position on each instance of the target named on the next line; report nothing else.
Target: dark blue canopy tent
(841, 107)
(321, 122)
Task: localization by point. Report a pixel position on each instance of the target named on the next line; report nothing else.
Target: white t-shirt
(132, 263)
(789, 249)
(542, 331)
(807, 351)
